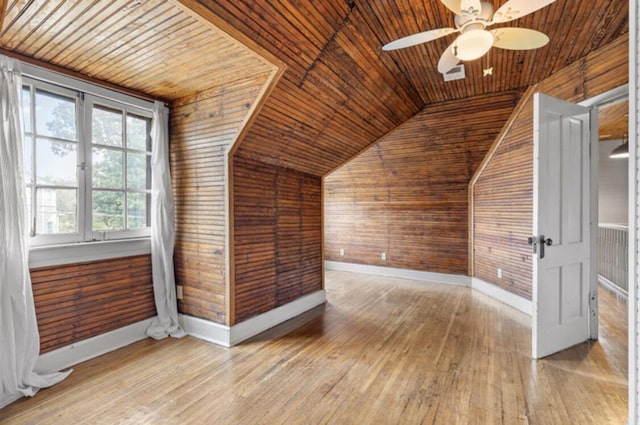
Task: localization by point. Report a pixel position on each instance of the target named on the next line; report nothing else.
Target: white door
(561, 225)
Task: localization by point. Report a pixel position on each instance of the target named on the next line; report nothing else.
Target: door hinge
(533, 241)
(593, 301)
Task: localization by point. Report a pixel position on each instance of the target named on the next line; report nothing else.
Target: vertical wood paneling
(202, 129)
(277, 236)
(503, 189)
(78, 301)
(406, 196)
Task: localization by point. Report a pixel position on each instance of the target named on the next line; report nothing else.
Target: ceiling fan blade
(452, 5)
(518, 38)
(447, 60)
(470, 7)
(421, 37)
(514, 9)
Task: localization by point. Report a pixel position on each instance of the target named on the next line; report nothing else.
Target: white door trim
(634, 215)
(596, 102)
(594, 176)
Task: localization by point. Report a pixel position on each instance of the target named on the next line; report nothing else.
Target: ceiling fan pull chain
(489, 69)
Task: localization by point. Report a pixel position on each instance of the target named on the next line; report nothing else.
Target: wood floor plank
(382, 351)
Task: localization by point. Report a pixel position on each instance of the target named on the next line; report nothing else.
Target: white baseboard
(612, 287)
(253, 326)
(449, 279)
(493, 291)
(229, 336)
(87, 349)
(522, 304)
(206, 330)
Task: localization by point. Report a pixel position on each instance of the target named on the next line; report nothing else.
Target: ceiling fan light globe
(472, 45)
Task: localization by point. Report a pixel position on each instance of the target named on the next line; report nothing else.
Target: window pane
(138, 171)
(138, 133)
(107, 168)
(55, 116)
(108, 210)
(137, 210)
(56, 211)
(106, 126)
(28, 160)
(56, 163)
(26, 109)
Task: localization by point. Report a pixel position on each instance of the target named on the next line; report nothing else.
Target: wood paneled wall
(202, 129)
(78, 301)
(277, 236)
(406, 196)
(503, 188)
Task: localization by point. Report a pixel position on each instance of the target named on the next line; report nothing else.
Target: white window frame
(89, 102)
(56, 249)
(57, 238)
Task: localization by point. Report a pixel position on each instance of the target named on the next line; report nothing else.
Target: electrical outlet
(499, 273)
(179, 291)
(341, 252)
(383, 256)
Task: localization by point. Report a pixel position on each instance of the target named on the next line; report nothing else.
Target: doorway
(564, 297)
(567, 141)
(613, 228)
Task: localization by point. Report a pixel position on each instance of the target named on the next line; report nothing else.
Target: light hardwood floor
(382, 351)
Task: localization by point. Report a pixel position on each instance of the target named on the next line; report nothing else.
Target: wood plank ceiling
(340, 92)
(614, 121)
(152, 46)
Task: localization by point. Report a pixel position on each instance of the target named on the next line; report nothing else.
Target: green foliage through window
(115, 168)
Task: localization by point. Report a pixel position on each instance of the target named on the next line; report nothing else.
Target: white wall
(613, 186)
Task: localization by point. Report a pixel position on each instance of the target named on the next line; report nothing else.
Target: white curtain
(162, 231)
(19, 338)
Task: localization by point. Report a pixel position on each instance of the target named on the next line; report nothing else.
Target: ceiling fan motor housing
(483, 18)
(472, 17)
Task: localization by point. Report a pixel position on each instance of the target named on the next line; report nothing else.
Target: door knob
(543, 242)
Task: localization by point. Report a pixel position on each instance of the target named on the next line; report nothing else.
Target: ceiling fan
(471, 20)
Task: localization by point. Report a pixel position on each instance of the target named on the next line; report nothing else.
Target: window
(87, 166)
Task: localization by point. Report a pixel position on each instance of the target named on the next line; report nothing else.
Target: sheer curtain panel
(162, 231)
(19, 338)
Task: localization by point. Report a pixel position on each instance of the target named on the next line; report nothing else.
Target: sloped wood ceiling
(150, 46)
(341, 92)
(613, 121)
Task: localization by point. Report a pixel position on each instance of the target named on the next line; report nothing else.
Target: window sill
(56, 255)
